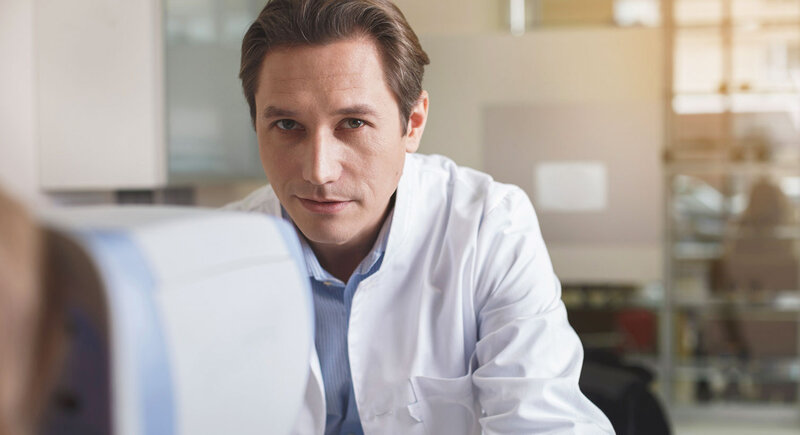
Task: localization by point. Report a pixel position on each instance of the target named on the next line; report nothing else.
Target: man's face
(329, 134)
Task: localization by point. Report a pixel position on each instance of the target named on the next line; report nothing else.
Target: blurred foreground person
(121, 320)
(29, 338)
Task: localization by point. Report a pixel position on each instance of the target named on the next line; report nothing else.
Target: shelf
(608, 297)
(758, 416)
(616, 305)
(705, 251)
(760, 370)
(782, 301)
(787, 92)
(689, 167)
(692, 249)
(748, 25)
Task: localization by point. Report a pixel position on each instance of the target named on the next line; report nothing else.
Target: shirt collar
(317, 272)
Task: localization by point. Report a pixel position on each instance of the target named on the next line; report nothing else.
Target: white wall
(18, 158)
(454, 17)
(100, 99)
(562, 70)
(554, 67)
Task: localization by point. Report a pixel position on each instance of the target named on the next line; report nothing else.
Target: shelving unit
(730, 322)
(620, 319)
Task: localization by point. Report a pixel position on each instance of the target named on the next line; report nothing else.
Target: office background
(658, 140)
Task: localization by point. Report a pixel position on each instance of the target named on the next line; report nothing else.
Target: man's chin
(319, 235)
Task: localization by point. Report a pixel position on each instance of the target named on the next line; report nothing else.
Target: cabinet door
(100, 97)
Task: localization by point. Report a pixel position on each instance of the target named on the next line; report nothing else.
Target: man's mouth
(324, 206)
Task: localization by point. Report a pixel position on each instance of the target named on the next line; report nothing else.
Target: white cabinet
(141, 95)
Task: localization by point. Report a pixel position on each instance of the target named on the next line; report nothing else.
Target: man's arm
(528, 356)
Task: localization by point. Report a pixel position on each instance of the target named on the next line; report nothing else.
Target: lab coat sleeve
(528, 358)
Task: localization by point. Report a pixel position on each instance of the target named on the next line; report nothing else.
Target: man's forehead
(350, 70)
(334, 60)
(333, 90)
(278, 81)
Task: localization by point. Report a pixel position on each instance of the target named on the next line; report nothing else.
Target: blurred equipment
(178, 321)
(617, 324)
(622, 391)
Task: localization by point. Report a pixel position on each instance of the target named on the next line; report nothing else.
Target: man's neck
(342, 260)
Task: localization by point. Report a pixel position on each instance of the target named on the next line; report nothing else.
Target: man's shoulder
(261, 200)
(463, 186)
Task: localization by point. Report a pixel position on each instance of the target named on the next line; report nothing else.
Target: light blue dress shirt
(332, 301)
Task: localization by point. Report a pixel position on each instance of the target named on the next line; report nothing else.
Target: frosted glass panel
(637, 12)
(694, 12)
(208, 122)
(767, 59)
(766, 10)
(698, 61)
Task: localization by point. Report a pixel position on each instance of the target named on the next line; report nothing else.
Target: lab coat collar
(402, 203)
(391, 236)
(317, 272)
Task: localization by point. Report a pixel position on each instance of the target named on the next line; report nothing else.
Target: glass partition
(583, 13)
(733, 203)
(209, 132)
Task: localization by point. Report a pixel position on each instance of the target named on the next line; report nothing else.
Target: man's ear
(416, 123)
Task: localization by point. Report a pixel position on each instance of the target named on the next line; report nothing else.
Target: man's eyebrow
(277, 112)
(358, 109)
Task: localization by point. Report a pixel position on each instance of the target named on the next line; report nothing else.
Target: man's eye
(286, 124)
(353, 123)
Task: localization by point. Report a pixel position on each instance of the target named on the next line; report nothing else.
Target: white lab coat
(462, 330)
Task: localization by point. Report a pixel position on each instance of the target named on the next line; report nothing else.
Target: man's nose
(322, 164)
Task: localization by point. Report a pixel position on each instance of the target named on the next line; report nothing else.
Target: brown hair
(296, 22)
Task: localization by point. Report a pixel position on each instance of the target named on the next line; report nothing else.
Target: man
(437, 309)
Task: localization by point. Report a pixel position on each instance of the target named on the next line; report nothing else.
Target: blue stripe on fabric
(131, 289)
